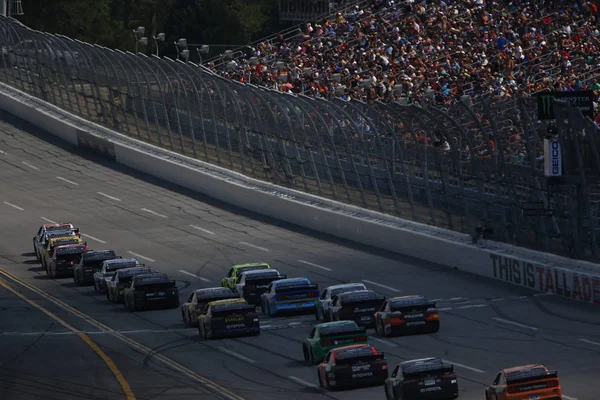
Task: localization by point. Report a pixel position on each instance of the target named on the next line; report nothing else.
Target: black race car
(90, 263)
(423, 379)
(359, 306)
(407, 315)
(228, 318)
(151, 291)
(357, 365)
(108, 269)
(198, 300)
(120, 280)
(252, 284)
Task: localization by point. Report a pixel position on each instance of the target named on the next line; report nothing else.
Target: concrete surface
(486, 324)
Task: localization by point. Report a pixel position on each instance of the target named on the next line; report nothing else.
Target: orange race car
(527, 382)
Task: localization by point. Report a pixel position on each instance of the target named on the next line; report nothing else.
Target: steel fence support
(132, 95)
(144, 59)
(171, 65)
(310, 104)
(138, 69)
(349, 150)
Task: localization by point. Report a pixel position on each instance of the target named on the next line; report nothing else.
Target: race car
(108, 269)
(425, 378)
(63, 258)
(289, 295)
(90, 263)
(199, 299)
(149, 291)
(352, 366)
(322, 305)
(359, 306)
(331, 335)
(120, 280)
(236, 270)
(39, 245)
(58, 241)
(252, 284)
(407, 315)
(524, 383)
(46, 228)
(228, 318)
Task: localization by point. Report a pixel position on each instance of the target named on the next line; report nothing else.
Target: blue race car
(289, 295)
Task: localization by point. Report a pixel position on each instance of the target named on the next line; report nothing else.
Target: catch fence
(458, 167)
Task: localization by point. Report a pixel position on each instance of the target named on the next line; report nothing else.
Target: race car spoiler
(414, 306)
(296, 288)
(265, 276)
(528, 376)
(436, 366)
(350, 357)
(229, 309)
(341, 332)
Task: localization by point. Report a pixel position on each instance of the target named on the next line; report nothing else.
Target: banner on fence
(547, 279)
(583, 100)
(552, 158)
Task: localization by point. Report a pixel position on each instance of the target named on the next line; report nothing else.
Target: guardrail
(542, 272)
(375, 156)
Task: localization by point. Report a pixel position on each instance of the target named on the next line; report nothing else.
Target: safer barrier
(578, 280)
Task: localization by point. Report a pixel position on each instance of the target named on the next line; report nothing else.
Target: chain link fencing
(457, 167)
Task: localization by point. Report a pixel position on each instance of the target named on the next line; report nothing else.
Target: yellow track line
(109, 362)
(224, 393)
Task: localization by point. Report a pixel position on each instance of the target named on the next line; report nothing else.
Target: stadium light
(137, 36)
(158, 38)
(181, 43)
(204, 49)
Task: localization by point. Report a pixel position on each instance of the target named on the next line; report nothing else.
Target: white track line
(94, 238)
(471, 306)
(48, 220)
(68, 181)
(202, 229)
(2, 152)
(14, 206)
(236, 355)
(565, 397)
(506, 321)
(154, 213)
(194, 275)
(464, 366)
(30, 166)
(140, 256)
(110, 197)
(386, 342)
(315, 265)
(265, 326)
(253, 245)
(380, 285)
(589, 342)
(302, 382)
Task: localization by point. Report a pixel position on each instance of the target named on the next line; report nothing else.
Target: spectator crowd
(439, 50)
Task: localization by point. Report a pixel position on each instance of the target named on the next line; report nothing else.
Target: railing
(378, 156)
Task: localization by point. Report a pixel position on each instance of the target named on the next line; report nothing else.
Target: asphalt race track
(486, 325)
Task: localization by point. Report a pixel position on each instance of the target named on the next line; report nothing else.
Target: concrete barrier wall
(541, 272)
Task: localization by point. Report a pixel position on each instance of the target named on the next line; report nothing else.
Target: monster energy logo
(547, 104)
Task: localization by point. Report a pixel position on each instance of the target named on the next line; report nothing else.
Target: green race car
(236, 271)
(331, 335)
